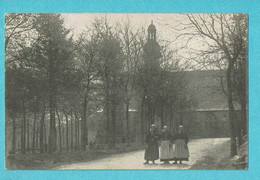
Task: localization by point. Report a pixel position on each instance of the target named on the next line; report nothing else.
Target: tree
(224, 37)
(54, 53)
(173, 92)
(110, 68)
(19, 38)
(17, 26)
(13, 101)
(132, 42)
(241, 72)
(87, 62)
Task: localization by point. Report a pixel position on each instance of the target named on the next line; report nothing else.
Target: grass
(218, 158)
(50, 161)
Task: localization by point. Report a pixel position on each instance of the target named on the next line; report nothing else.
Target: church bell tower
(152, 52)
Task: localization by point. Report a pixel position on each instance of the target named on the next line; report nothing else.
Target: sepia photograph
(128, 91)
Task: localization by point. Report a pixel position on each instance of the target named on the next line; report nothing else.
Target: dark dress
(181, 150)
(152, 149)
(166, 136)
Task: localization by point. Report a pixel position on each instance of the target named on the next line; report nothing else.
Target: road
(134, 160)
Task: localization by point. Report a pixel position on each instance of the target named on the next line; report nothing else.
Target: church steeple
(151, 31)
(152, 49)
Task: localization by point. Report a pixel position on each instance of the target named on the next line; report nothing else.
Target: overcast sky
(166, 25)
(163, 21)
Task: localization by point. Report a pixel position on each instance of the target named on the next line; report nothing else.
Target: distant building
(210, 117)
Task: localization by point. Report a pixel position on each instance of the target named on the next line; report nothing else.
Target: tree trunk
(243, 97)
(22, 142)
(52, 103)
(78, 134)
(178, 121)
(42, 150)
(152, 111)
(76, 131)
(84, 132)
(67, 131)
(52, 135)
(142, 121)
(113, 127)
(14, 135)
(108, 133)
(127, 124)
(23, 131)
(241, 88)
(28, 135)
(81, 133)
(181, 120)
(162, 120)
(71, 131)
(148, 116)
(233, 149)
(171, 116)
(34, 131)
(59, 129)
(135, 127)
(37, 137)
(45, 138)
(244, 116)
(63, 136)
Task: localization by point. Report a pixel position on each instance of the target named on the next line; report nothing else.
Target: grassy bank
(50, 161)
(217, 158)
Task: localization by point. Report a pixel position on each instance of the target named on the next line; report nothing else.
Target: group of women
(168, 153)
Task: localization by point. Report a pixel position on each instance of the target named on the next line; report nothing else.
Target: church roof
(206, 88)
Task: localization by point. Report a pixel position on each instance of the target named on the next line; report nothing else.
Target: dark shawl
(181, 136)
(152, 149)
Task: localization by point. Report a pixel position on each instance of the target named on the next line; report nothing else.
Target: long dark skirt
(152, 152)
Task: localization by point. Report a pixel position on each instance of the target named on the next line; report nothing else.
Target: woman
(181, 151)
(152, 148)
(166, 146)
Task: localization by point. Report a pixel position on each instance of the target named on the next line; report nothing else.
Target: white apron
(166, 150)
(181, 150)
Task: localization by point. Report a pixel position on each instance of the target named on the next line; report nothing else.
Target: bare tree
(86, 61)
(110, 68)
(132, 45)
(223, 37)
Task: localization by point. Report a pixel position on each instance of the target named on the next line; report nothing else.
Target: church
(209, 119)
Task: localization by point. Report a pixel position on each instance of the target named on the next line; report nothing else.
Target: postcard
(114, 91)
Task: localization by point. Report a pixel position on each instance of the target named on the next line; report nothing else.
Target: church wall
(198, 124)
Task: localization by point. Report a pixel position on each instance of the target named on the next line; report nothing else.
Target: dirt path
(134, 160)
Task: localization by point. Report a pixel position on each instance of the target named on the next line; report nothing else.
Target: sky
(167, 25)
(163, 21)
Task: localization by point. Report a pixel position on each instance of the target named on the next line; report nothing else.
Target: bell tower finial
(152, 31)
